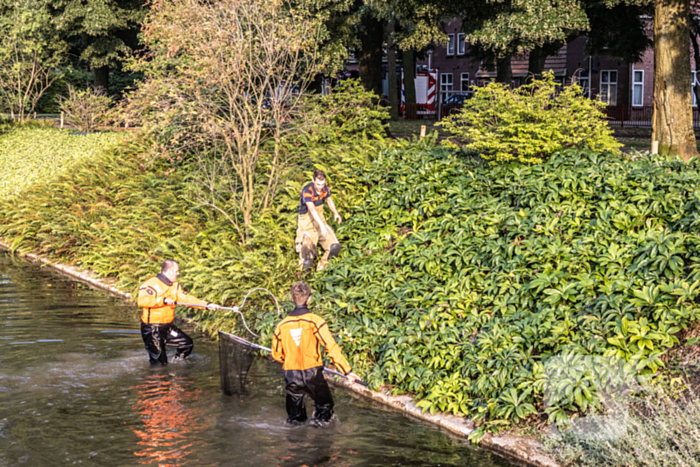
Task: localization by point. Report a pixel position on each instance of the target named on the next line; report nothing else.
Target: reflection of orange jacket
(297, 342)
(151, 296)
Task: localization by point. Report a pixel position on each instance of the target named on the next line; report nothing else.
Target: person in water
(157, 297)
(312, 228)
(296, 343)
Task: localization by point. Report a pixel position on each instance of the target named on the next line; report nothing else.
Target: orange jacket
(297, 342)
(151, 296)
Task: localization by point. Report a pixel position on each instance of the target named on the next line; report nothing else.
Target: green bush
(29, 155)
(347, 113)
(532, 122)
(460, 280)
(69, 76)
(85, 109)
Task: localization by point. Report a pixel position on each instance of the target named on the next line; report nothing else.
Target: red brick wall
(576, 58)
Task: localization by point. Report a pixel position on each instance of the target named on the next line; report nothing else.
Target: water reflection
(170, 421)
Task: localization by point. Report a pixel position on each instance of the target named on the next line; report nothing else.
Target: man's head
(170, 269)
(319, 179)
(300, 293)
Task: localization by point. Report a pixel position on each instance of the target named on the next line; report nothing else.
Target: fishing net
(236, 356)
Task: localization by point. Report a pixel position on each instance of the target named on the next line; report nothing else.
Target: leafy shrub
(532, 122)
(459, 280)
(30, 155)
(69, 76)
(85, 109)
(348, 112)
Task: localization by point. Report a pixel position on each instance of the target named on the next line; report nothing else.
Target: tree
(537, 58)
(621, 30)
(102, 32)
(370, 53)
(408, 57)
(673, 117)
(225, 83)
(29, 52)
(391, 75)
(515, 26)
(497, 31)
(614, 30)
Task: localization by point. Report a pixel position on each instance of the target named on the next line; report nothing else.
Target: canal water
(71, 394)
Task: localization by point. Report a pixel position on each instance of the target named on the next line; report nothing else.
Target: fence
(424, 112)
(629, 116)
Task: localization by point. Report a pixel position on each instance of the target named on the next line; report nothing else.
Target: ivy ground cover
(460, 281)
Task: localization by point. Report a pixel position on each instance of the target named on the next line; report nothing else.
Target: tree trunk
(535, 63)
(370, 57)
(391, 72)
(409, 76)
(102, 78)
(504, 71)
(673, 113)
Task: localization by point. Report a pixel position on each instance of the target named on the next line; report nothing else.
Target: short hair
(167, 265)
(319, 175)
(300, 292)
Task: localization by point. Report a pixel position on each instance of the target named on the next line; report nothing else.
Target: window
(608, 87)
(461, 45)
(465, 82)
(446, 82)
(694, 88)
(638, 88)
(451, 44)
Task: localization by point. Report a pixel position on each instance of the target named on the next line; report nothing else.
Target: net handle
(237, 309)
(240, 340)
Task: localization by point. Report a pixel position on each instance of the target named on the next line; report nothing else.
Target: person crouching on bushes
(296, 343)
(312, 228)
(157, 297)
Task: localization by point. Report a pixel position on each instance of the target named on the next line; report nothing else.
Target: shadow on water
(71, 394)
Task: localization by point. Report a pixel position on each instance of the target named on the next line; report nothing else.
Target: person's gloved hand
(353, 378)
(338, 219)
(213, 307)
(169, 301)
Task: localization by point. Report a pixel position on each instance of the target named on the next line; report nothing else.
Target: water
(71, 394)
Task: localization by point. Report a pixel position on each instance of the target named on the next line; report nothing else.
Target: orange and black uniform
(296, 343)
(309, 231)
(309, 195)
(157, 328)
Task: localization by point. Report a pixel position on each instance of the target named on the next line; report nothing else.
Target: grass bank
(119, 214)
(35, 155)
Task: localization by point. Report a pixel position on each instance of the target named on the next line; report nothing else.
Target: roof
(519, 65)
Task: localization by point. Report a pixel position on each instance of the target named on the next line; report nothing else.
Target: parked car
(457, 98)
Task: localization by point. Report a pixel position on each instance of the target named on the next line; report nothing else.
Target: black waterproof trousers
(158, 336)
(299, 384)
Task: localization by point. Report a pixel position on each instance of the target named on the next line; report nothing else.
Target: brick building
(610, 79)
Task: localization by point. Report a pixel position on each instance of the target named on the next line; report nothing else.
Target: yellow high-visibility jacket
(154, 291)
(297, 342)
